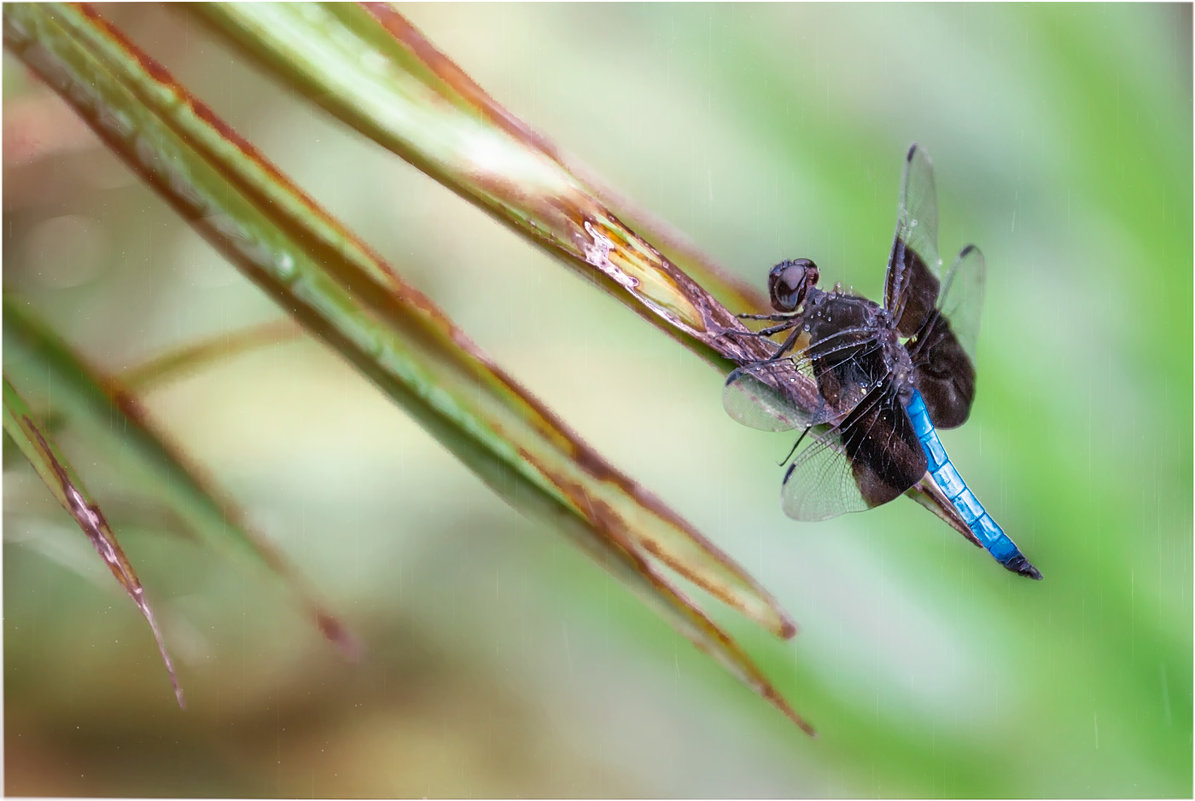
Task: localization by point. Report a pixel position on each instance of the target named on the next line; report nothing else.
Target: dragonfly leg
(734, 332)
(773, 317)
(789, 323)
(808, 428)
(775, 329)
(785, 346)
(763, 332)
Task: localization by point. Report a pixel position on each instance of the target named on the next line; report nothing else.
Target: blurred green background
(503, 663)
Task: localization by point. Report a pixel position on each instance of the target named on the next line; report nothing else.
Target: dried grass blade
(114, 420)
(64, 485)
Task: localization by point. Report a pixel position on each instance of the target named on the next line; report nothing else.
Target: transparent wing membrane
(819, 484)
(962, 297)
(869, 460)
(786, 393)
(772, 396)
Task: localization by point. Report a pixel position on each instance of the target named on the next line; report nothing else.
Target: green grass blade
(60, 478)
(370, 67)
(339, 289)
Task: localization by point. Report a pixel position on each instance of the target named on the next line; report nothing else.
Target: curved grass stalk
(367, 65)
(195, 355)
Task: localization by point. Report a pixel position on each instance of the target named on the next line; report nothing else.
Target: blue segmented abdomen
(990, 535)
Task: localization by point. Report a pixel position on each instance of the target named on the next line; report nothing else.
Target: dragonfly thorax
(854, 346)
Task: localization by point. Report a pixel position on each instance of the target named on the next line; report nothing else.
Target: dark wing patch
(870, 459)
(886, 456)
(916, 287)
(943, 350)
(911, 285)
(943, 373)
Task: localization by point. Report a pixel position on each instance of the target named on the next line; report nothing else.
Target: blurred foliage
(322, 275)
(501, 662)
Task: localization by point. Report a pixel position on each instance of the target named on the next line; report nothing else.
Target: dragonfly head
(789, 281)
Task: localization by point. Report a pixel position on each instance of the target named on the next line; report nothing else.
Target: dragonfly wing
(962, 297)
(873, 457)
(819, 483)
(911, 286)
(943, 351)
(777, 395)
(818, 385)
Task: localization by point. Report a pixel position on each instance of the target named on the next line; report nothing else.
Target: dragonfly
(887, 377)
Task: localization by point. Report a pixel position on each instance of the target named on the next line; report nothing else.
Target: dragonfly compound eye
(789, 281)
